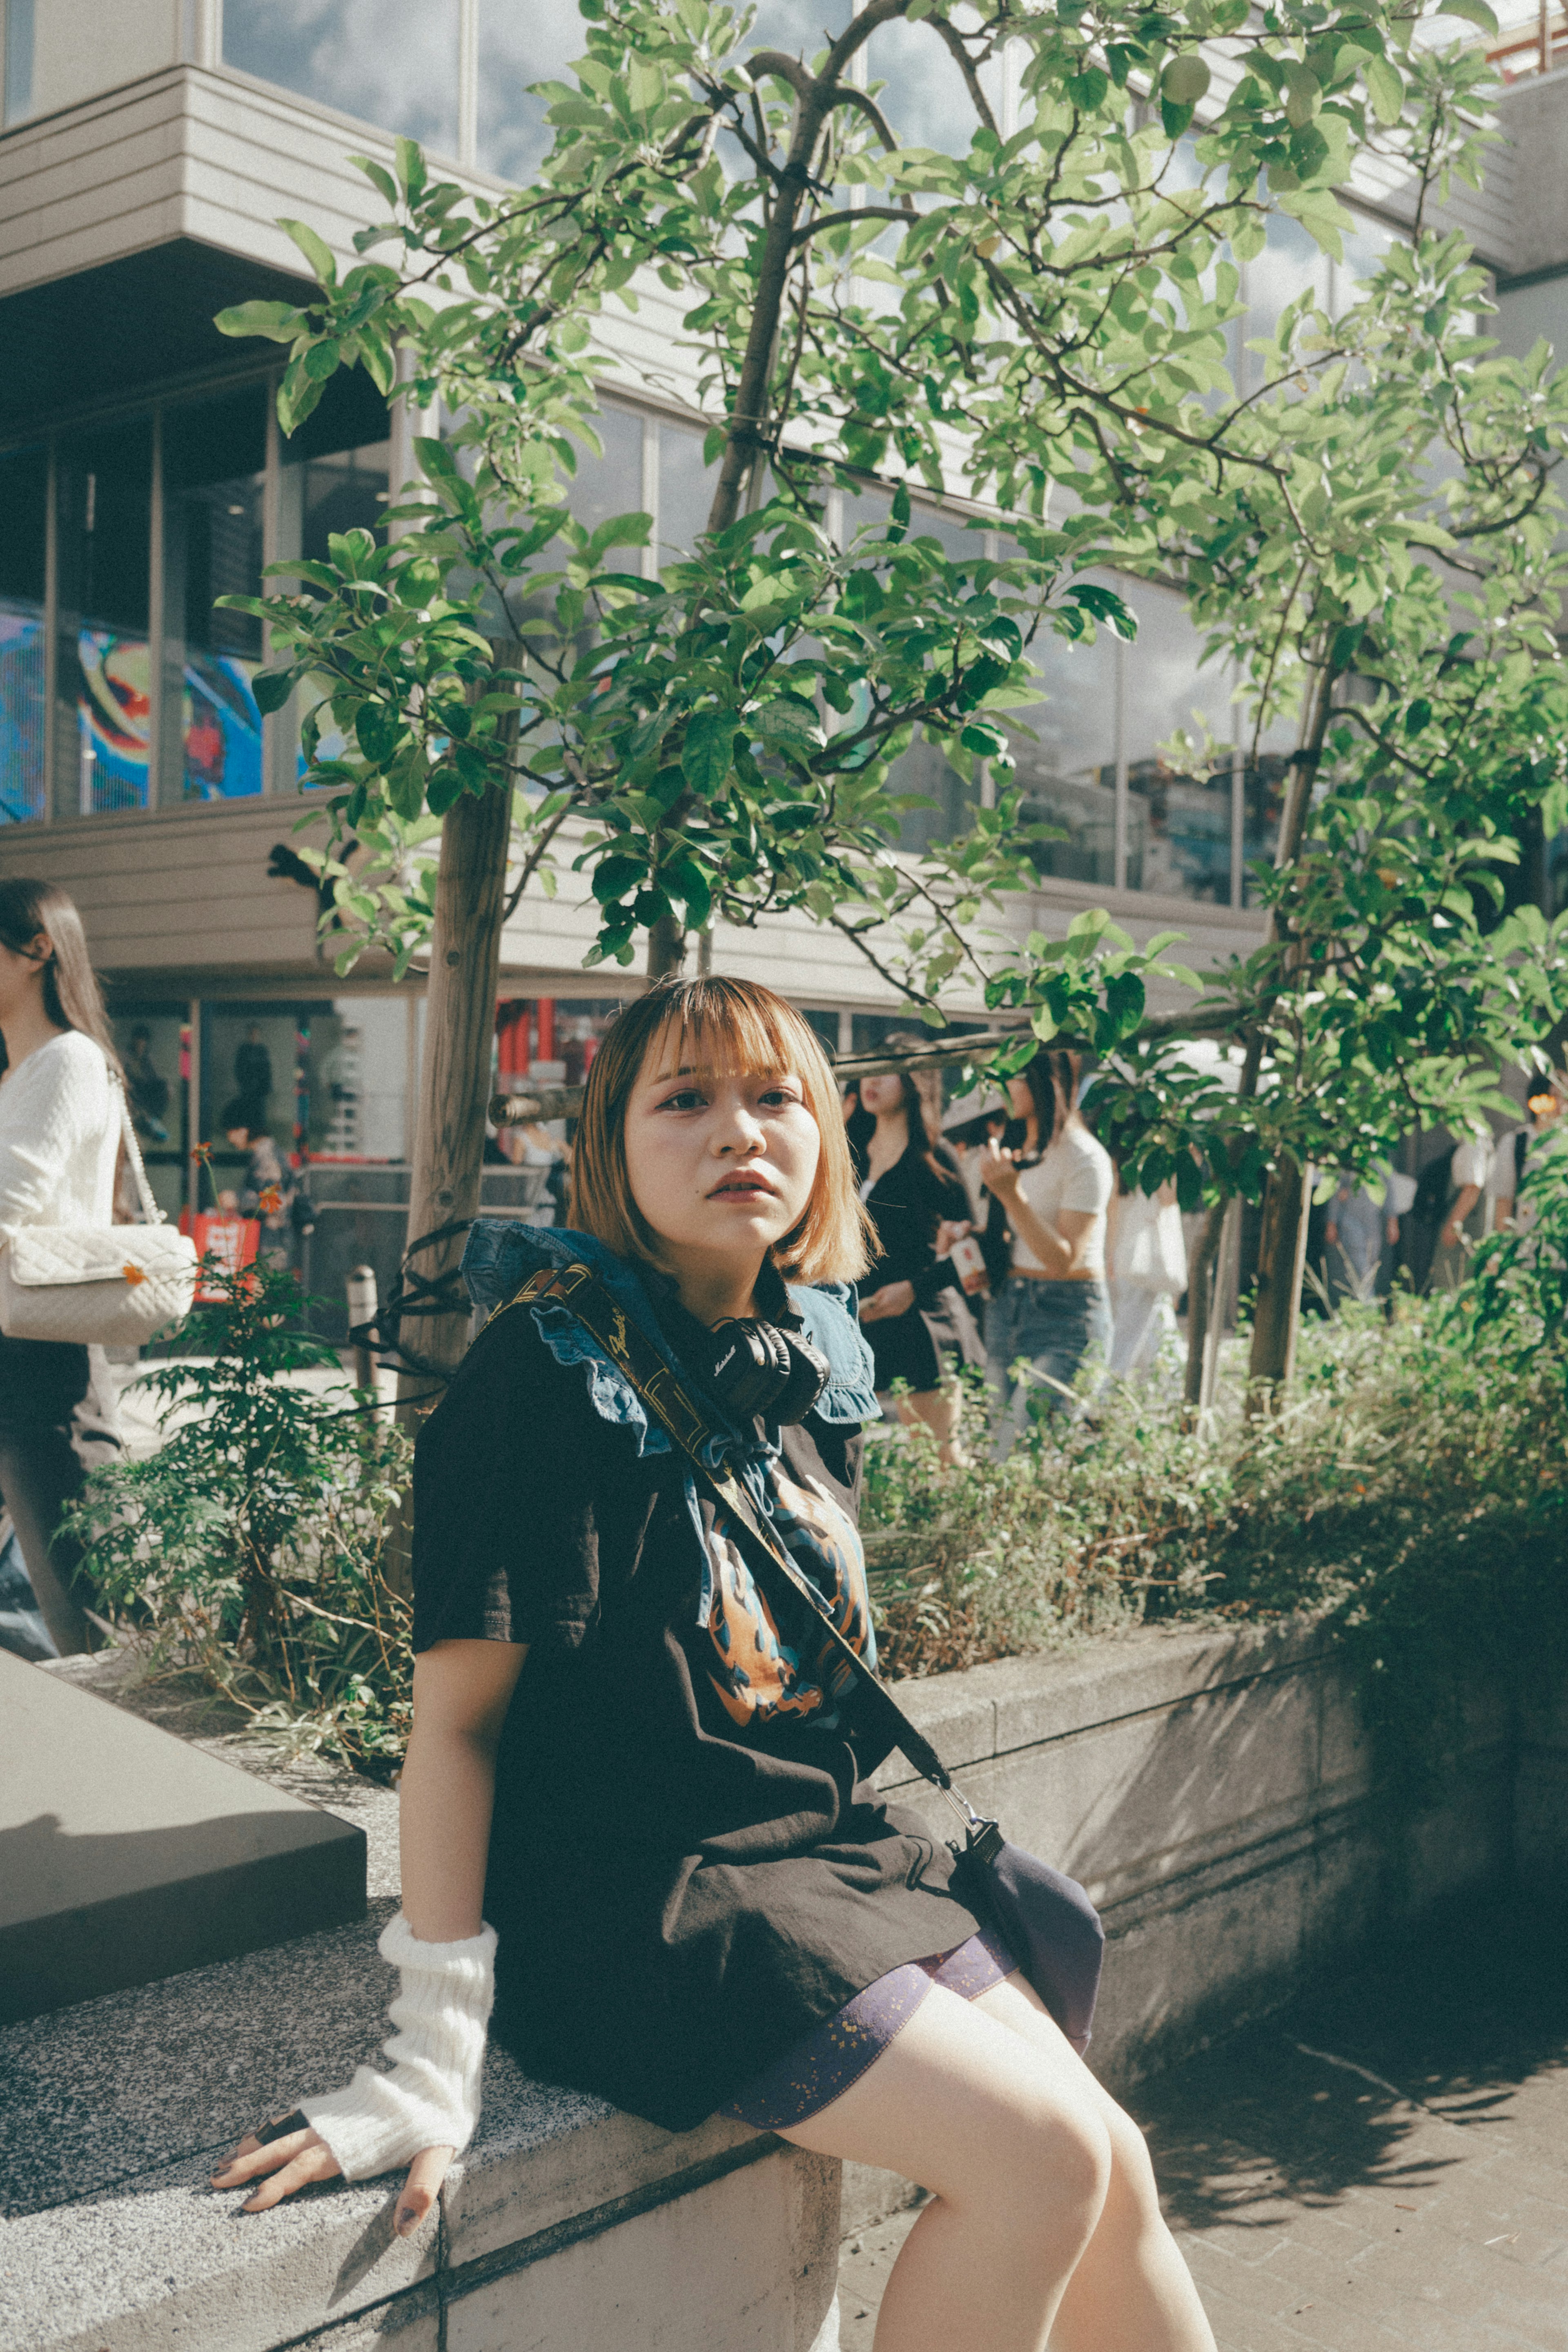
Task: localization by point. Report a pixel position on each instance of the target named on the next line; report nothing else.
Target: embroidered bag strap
(578, 1288)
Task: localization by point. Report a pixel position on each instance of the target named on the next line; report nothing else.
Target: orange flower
(269, 1200)
(133, 1273)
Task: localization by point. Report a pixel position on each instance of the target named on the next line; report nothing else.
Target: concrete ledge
(1218, 1792)
(564, 2210)
(126, 1855)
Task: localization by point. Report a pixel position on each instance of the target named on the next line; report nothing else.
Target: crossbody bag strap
(578, 1288)
(151, 1214)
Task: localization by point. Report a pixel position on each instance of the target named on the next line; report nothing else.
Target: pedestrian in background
(1463, 1222)
(59, 1143)
(1146, 1259)
(266, 1190)
(1053, 1309)
(912, 1313)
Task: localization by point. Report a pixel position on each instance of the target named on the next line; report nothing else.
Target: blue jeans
(1053, 1326)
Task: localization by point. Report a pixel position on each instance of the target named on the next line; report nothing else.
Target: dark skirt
(667, 2008)
(916, 1347)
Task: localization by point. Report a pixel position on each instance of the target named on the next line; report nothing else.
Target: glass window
(23, 515)
(923, 768)
(335, 477)
(391, 62)
(1068, 776)
(924, 98)
(18, 61)
(685, 491)
(1289, 266)
(611, 484)
(1365, 246)
(1262, 805)
(517, 47)
(153, 1042)
(104, 510)
(1178, 827)
(214, 458)
(802, 28)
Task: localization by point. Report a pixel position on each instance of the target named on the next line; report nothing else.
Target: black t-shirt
(687, 1871)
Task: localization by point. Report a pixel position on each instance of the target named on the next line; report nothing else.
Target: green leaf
(613, 876)
(709, 752)
(314, 248)
(271, 688)
(278, 321)
(380, 179)
(1105, 605)
(410, 168)
(1124, 1006)
(1474, 12)
(1385, 88)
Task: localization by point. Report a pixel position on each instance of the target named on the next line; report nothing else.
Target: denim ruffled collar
(500, 1256)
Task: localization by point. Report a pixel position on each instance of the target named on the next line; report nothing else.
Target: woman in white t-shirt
(1469, 1170)
(59, 1141)
(1146, 1274)
(1053, 1309)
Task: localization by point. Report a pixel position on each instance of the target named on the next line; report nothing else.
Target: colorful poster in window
(222, 729)
(114, 713)
(21, 713)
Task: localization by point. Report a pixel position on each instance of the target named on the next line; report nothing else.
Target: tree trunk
(1281, 1246)
(666, 948)
(455, 1066)
(1277, 1311)
(1202, 1302)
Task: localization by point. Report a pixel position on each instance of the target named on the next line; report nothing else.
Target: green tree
(1038, 323)
(1395, 576)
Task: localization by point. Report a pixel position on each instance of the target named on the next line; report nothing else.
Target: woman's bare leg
(1014, 2147)
(937, 1410)
(1044, 2225)
(1131, 2287)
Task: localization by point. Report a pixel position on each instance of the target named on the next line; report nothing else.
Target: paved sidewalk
(1382, 2168)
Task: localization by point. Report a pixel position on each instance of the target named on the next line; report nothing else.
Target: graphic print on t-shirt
(759, 1675)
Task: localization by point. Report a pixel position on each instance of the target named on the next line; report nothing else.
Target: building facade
(146, 153)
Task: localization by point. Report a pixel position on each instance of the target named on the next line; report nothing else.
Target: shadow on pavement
(1376, 2079)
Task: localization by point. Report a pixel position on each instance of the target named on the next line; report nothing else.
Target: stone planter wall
(1216, 1792)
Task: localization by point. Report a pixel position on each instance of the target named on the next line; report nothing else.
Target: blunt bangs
(726, 1027)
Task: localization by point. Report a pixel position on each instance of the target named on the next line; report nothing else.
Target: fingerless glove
(431, 2098)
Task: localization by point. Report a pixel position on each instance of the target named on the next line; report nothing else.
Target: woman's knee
(1133, 2169)
(1053, 2153)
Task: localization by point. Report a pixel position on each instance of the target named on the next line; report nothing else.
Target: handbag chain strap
(152, 1214)
(578, 1288)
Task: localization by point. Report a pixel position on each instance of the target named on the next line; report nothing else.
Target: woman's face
(883, 1094)
(1021, 1098)
(21, 976)
(720, 1167)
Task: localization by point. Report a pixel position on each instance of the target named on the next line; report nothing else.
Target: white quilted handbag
(110, 1287)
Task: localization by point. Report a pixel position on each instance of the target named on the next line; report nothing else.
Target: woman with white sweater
(59, 1141)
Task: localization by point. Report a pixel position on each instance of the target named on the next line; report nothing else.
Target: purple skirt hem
(820, 2066)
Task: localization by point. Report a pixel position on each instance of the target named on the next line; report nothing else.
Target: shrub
(249, 1550)
(1413, 1495)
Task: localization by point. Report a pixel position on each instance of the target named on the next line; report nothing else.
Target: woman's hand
(298, 2158)
(951, 1229)
(893, 1298)
(998, 1172)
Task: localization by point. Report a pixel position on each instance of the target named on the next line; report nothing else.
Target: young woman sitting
(635, 1806)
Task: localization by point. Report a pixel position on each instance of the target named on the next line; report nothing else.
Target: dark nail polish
(406, 2220)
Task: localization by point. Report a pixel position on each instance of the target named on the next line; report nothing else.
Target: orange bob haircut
(726, 1027)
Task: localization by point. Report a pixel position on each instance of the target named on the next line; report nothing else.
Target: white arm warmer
(431, 2098)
